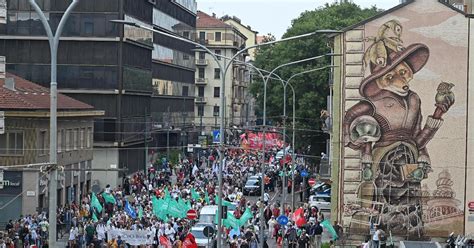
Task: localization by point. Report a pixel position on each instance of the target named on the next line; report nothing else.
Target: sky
(274, 16)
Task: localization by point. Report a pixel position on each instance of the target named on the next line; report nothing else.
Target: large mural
(402, 188)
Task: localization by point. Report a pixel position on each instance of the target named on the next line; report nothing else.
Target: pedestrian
(303, 240)
(375, 237)
(271, 226)
(317, 231)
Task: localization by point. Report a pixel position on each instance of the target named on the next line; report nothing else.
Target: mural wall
(404, 125)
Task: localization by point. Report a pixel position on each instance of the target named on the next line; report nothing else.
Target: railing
(203, 41)
(201, 99)
(201, 61)
(201, 81)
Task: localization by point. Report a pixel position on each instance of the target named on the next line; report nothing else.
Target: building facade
(402, 151)
(225, 40)
(111, 67)
(25, 141)
(248, 107)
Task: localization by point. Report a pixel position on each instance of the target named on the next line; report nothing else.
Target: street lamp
(53, 156)
(222, 93)
(216, 114)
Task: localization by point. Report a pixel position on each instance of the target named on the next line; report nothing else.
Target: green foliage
(311, 89)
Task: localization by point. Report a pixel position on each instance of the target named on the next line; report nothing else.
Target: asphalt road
(277, 197)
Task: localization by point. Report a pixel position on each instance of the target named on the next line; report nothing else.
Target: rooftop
(206, 21)
(26, 95)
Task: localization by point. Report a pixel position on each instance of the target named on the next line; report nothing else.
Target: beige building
(402, 150)
(226, 40)
(245, 30)
(24, 140)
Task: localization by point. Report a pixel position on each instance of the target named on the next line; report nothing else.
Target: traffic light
(224, 212)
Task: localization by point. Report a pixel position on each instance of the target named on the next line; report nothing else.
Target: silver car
(321, 202)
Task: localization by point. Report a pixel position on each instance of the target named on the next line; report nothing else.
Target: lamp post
(223, 69)
(265, 82)
(53, 159)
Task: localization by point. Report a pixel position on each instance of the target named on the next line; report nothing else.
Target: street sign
(216, 136)
(311, 182)
(304, 173)
(282, 220)
(208, 231)
(470, 205)
(191, 214)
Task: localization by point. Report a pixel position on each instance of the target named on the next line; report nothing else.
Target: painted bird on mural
(388, 37)
(444, 93)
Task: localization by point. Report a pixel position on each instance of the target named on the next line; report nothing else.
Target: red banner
(252, 140)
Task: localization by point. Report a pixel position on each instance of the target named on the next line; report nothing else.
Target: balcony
(201, 81)
(201, 62)
(203, 41)
(201, 100)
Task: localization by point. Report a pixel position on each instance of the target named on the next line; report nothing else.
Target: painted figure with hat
(386, 126)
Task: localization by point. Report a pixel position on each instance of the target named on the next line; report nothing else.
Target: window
(82, 137)
(218, 52)
(89, 137)
(202, 55)
(216, 110)
(69, 138)
(201, 73)
(185, 56)
(201, 91)
(217, 73)
(202, 36)
(75, 139)
(217, 91)
(60, 141)
(185, 90)
(201, 110)
(218, 36)
(186, 34)
(42, 142)
(11, 143)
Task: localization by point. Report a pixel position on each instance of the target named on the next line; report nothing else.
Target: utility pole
(53, 130)
(168, 126)
(146, 143)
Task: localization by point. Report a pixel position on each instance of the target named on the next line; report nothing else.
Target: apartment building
(225, 40)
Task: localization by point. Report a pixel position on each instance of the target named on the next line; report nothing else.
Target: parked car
(321, 202)
(252, 186)
(207, 215)
(321, 188)
(201, 240)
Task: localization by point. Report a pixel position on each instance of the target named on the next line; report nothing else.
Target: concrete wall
(438, 198)
(105, 159)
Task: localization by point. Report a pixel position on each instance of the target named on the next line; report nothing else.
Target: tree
(311, 89)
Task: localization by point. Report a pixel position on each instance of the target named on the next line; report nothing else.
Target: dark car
(252, 187)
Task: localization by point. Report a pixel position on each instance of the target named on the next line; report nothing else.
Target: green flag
(231, 221)
(167, 194)
(140, 212)
(206, 198)
(224, 202)
(175, 210)
(108, 198)
(195, 195)
(247, 215)
(330, 228)
(94, 217)
(95, 203)
(188, 205)
(159, 208)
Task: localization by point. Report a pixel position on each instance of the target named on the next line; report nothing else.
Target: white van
(208, 214)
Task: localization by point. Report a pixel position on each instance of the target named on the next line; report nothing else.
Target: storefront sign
(10, 182)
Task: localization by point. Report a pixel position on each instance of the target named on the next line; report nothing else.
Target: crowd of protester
(83, 226)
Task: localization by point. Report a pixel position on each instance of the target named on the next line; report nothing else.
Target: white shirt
(375, 237)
